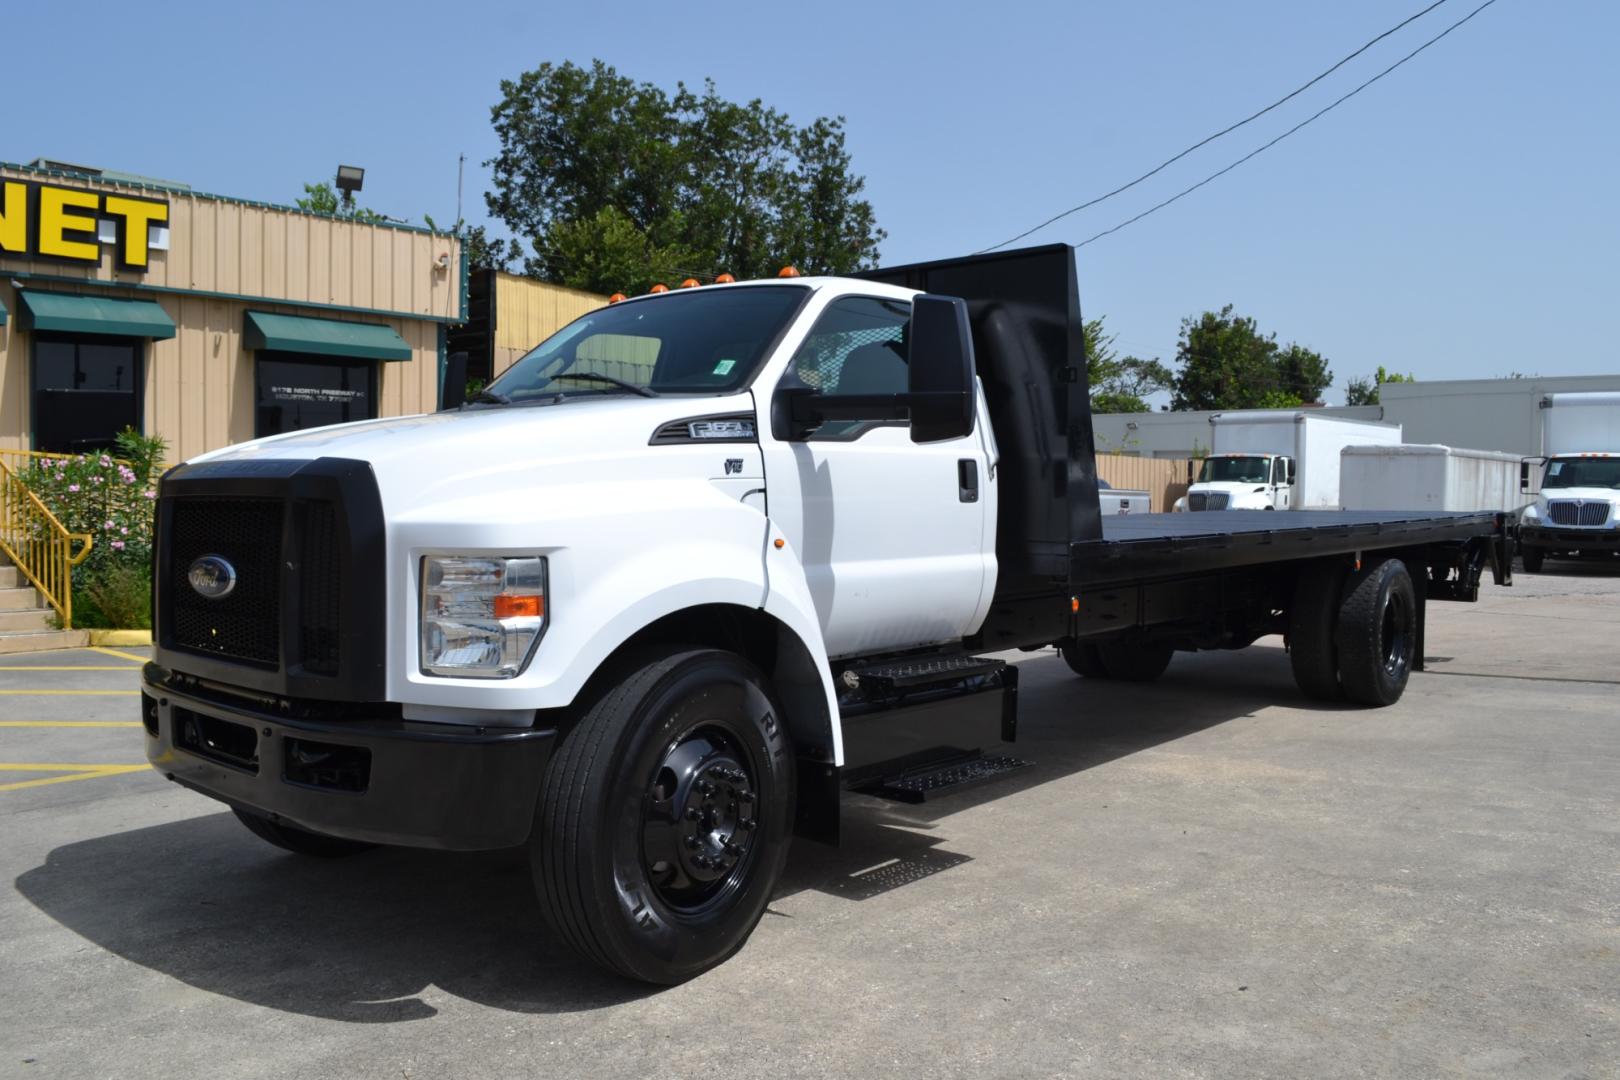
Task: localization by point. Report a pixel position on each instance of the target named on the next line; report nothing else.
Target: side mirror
(1290, 470)
(940, 376)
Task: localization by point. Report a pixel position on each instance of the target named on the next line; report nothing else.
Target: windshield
(1598, 472)
(1235, 470)
(707, 341)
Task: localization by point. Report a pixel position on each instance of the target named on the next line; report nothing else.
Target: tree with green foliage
(1363, 390)
(323, 198)
(1225, 362)
(614, 185)
(1119, 384)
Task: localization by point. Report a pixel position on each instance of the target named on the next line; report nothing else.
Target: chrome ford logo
(212, 577)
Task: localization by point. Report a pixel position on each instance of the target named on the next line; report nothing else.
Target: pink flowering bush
(112, 499)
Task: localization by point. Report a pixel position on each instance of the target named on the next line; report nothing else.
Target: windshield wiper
(494, 396)
(591, 376)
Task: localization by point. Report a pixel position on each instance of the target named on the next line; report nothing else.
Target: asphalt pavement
(1208, 876)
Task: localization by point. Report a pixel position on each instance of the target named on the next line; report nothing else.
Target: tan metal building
(507, 315)
(208, 320)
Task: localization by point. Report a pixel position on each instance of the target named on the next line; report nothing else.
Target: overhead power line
(1211, 138)
(1267, 146)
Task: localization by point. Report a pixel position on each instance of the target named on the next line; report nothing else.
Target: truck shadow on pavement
(375, 938)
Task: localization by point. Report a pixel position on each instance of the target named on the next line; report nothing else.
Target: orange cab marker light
(780, 542)
(616, 297)
(691, 283)
(788, 271)
(724, 279)
(519, 607)
(660, 287)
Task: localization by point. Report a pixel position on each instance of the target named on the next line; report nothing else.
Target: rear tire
(665, 817)
(1533, 559)
(300, 841)
(1135, 661)
(1083, 659)
(1377, 633)
(1313, 616)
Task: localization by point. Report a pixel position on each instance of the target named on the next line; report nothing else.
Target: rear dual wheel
(665, 817)
(1353, 636)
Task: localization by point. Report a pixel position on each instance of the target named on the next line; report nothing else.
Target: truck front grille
(1199, 500)
(1577, 512)
(320, 588)
(245, 624)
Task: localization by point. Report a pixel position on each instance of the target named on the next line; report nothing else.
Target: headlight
(481, 615)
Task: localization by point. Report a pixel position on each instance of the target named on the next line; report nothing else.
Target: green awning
(324, 337)
(71, 314)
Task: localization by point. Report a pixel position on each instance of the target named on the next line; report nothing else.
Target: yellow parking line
(69, 723)
(67, 667)
(70, 693)
(69, 773)
(121, 655)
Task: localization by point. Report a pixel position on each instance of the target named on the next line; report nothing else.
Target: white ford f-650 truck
(1278, 460)
(696, 565)
(1577, 511)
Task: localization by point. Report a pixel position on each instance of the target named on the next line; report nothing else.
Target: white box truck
(1278, 460)
(1428, 476)
(650, 624)
(1577, 510)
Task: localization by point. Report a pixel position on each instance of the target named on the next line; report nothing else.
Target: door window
(87, 389)
(858, 346)
(293, 392)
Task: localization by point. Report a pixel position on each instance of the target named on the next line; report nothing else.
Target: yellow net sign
(49, 221)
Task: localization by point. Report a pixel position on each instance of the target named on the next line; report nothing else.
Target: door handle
(967, 480)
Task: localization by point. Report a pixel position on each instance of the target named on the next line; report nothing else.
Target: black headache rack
(303, 614)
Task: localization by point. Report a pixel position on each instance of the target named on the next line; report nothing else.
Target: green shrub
(113, 499)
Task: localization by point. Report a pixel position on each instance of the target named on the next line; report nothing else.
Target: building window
(293, 391)
(87, 389)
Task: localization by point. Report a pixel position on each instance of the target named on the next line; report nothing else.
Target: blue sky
(1456, 220)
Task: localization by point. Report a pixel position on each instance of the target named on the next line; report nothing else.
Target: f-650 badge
(733, 465)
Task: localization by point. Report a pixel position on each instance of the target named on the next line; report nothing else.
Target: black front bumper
(384, 781)
(1555, 539)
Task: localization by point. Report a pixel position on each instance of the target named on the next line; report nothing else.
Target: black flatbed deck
(1137, 547)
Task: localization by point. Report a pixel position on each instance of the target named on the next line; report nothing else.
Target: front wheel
(666, 816)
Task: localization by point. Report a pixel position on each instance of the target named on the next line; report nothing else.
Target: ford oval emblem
(212, 577)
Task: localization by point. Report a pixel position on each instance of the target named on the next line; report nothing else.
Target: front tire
(1377, 633)
(300, 841)
(665, 817)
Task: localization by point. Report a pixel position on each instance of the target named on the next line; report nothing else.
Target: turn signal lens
(519, 607)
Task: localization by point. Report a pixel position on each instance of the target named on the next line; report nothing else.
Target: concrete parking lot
(1204, 877)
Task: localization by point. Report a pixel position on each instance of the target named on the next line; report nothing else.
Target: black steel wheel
(666, 816)
(1377, 633)
(1533, 559)
(1084, 659)
(300, 841)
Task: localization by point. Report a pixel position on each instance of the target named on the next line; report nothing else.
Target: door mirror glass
(1290, 472)
(940, 376)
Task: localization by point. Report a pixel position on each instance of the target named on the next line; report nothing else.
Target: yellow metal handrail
(38, 544)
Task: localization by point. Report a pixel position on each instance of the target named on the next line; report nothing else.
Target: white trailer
(1577, 509)
(1428, 476)
(1278, 460)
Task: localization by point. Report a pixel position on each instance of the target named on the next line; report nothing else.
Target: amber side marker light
(780, 542)
(518, 607)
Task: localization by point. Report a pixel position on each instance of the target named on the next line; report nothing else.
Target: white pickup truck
(697, 564)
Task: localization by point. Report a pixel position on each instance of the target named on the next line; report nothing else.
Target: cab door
(892, 534)
(1282, 483)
